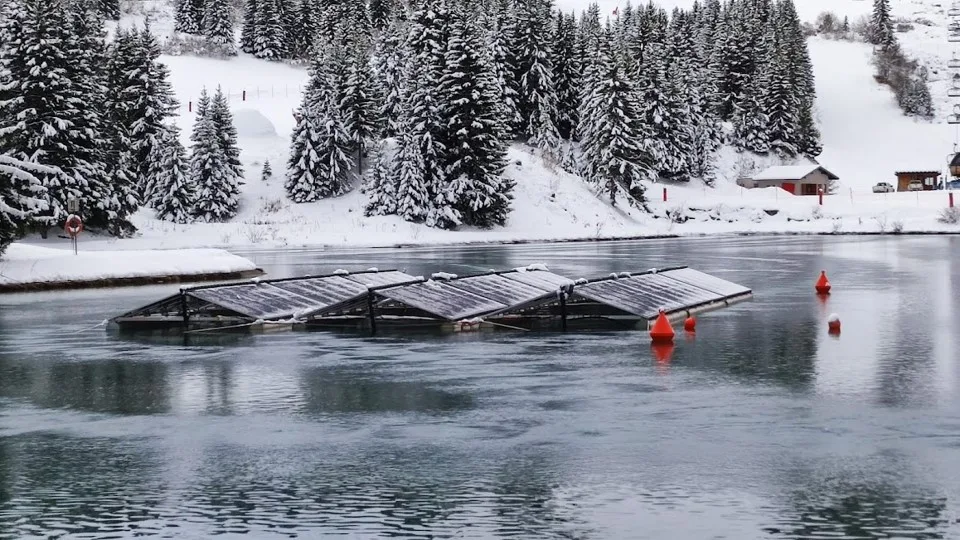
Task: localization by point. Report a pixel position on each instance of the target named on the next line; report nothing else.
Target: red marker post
(664, 194)
(820, 194)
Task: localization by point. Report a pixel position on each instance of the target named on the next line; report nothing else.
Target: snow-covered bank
(27, 267)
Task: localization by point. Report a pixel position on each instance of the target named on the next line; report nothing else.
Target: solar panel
(645, 295)
(705, 281)
(259, 301)
(546, 281)
(501, 289)
(380, 279)
(324, 292)
(442, 299)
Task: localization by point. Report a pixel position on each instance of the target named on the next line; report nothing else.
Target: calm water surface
(762, 426)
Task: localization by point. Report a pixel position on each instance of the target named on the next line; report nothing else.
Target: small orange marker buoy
(690, 325)
(833, 324)
(662, 331)
(823, 284)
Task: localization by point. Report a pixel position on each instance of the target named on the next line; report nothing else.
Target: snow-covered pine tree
(109, 9)
(566, 74)
(217, 186)
(173, 195)
(779, 101)
(390, 61)
(381, 12)
(357, 106)
(378, 186)
(501, 43)
(43, 113)
(248, 32)
(114, 196)
(420, 160)
(808, 142)
(302, 40)
(218, 25)
(750, 124)
(222, 119)
(537, 97)
(319, 165)
(188, 17)
(914, 99)
(881, 32)
(270, 36)
(267, 173)
(21, 197)
(799, 69)
(615, 144)
(149, 103)
(475, 157)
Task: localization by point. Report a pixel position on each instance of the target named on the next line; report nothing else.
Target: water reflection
(760, 426)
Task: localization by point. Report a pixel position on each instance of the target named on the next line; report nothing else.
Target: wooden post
(189, 106)
(664, 194)
(563, 309)
(244, 96)
(951, 199)
(371, 314)
(820, 194)
(184, 312)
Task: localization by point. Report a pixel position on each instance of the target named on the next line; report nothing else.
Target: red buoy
(662, 331)
(823, 284)
(690, 325)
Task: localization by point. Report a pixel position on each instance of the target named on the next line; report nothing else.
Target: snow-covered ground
(866, 139)
(32, 265)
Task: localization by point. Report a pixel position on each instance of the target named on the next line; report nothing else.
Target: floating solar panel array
(449, 298)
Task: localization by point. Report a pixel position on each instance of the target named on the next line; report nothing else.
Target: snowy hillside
(865, 139)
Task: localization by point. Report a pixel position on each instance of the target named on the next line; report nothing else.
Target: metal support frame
(371, 314)
(184, 309)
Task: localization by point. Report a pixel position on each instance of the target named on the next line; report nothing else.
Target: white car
(915, 185)
(883, 187)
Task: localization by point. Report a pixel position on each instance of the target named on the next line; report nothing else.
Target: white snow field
(866, 139)
(33, 265)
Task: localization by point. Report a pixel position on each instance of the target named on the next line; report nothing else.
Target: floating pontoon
(531, 297)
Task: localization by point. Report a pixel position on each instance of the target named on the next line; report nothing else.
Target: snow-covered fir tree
(780, 102)
(380, 13)
(173, 195)
(537, 96)
(475, 152)
(188, 16)
(301, 41)
(248, 31)
(216, 184)
(616, 147)
(566, 72)
(319, 165)
(218, 25)
(266, 174)
(881, 31)
(226, 131)
(269, 35)
(390, 62)
(502, 47)
(46, 115)
(21, 197)
(109, 9)
(357, 105)
(750, 124)
(378, 186)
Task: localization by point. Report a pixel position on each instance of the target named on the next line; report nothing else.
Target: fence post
(951, 199)
(820, 193)
(664, 194)
(244, 96)
(189, 106)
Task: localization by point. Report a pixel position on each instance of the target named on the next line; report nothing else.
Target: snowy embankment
(27, 267)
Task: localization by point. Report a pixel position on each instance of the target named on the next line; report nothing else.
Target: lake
(760, 426)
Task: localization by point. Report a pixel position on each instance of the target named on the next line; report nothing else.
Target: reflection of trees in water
(6, 473)
(860, 503)
(218, 382)
(90, 485)
(112, 387)
(409, 491)
(907, 359)
(328, 390)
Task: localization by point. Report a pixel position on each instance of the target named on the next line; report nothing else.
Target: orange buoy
(823, 284)
(662, 331)
(833, 323)
(690, 325)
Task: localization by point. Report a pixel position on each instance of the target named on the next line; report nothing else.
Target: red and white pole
(820, 193)
(951, 199)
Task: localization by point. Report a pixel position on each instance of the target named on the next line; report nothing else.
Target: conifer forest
(414, 103)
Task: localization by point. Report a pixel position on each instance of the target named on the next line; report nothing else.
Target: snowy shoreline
(32, 268)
